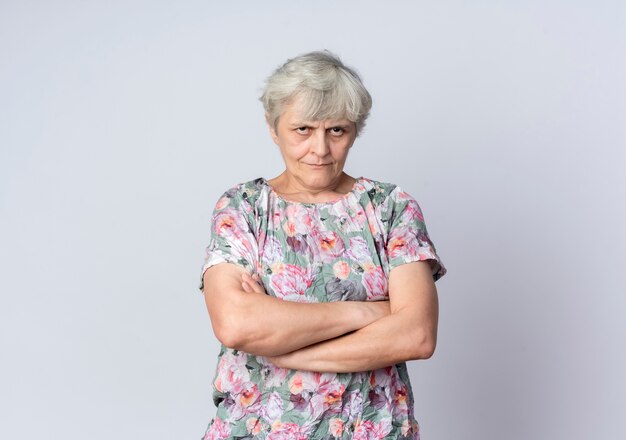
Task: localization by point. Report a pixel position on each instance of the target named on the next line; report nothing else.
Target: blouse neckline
(357, 187)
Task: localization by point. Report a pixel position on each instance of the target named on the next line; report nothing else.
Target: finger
(246, 278)
(257, 287)
(252, 278)
(249, 285)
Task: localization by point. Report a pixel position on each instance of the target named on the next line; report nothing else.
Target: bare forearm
(267, 326)
(385, 342)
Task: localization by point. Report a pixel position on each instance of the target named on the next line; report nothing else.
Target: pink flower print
(246, 402)
(329, 245)
(359, 217)
(410, 427)
(249, 395)
(394, 377)
(217, 431)
(297, 243)
(354, 405)
(345, 218)
(402, 243)
(425, 254)
(222, 203)
(307, 381)
(274, 376)
(290, 228)
(273, 408)
(300, 403)
(401, 195)
(272, 251)
(254, 425)
(227, 222)
(369, 430)
(308, 403)
(381, 429)
(375, 283)
(358, 250)
(230, 225)
(316, 406)
(314, 393)
(400, 395)
(232, 373)
(405, 429)
(335, 427)
(295, 384)
(276, 220)
(246, 207)
(297, 220)
(416, 429)
(372, 219)
(288, 431)
(400, 405)
(362, 429)
(411, 212)
(378, 399)
(341, 269)
(381, 377)
(339, 210)
(291, 283)
(332, 392)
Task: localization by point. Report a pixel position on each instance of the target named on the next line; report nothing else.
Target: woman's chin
(321, 180)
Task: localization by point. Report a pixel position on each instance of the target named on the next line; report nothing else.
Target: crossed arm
(344, 336)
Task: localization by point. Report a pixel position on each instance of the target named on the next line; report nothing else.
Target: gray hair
(330, 90)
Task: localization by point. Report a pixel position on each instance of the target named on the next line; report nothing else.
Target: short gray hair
(330, 90)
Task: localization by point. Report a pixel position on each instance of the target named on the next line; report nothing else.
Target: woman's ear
(272, 128)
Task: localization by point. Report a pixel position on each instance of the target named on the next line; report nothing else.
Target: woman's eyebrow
(314, 124)
(301, 124)
(343, 126)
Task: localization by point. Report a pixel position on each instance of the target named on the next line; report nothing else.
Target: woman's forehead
(292, 114)
(300, 109)
(299, 121)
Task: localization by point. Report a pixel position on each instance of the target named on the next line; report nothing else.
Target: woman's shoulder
(248, 191)
(380, 192)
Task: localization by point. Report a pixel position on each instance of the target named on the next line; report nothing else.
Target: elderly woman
(319, 285)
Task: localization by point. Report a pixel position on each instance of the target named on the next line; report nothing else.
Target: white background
(121, 123)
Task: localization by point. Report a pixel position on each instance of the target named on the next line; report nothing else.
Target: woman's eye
(336, 131)
(302, 130)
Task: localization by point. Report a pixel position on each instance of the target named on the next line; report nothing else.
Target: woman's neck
(297, 190)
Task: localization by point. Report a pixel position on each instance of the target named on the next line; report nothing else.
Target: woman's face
(314, 151)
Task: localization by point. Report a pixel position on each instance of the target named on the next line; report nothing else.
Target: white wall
(121, 122)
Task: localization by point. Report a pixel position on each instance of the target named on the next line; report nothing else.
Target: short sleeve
(232, 234)
(407, 238)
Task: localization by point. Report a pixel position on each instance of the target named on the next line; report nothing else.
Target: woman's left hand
(252, 283)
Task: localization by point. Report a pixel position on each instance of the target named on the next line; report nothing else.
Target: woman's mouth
(318, 165)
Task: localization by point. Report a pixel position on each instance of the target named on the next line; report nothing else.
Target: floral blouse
(341, 250)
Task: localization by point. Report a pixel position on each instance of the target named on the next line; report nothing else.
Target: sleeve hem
(437, 268)
(214, 259)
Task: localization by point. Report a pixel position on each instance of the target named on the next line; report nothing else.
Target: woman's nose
(320, 143)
